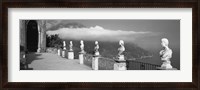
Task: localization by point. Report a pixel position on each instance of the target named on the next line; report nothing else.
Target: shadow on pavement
(30, 57)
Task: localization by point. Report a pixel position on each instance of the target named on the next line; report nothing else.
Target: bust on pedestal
(82, 52)
(165, 55)
(96, 56)
(120, 63)
(96, 48)
(64, 49)
(71, 53)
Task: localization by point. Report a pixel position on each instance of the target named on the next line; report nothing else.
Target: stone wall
(22, 34)
(52, 50)
(103, 63)
(106, 63)
(41, 34)
(88, 60)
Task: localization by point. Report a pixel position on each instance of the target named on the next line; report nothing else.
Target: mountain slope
(110, 49)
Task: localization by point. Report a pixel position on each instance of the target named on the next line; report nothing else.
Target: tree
(54, 41)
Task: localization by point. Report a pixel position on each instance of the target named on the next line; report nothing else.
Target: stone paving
(50, 61)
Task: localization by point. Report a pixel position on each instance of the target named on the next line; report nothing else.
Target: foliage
(54, 41)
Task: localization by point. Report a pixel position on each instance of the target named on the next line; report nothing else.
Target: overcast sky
(145, 33)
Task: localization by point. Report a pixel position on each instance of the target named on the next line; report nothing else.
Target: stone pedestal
(70, 55)
(39, 50)
(95, 62)
(161, 68)
(97, 53)
(166, 64)
(59, 52)
(120, 63)
(121, 58)
(63, 53)
(81, 57)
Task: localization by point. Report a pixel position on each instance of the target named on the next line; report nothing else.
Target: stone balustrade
(97, 62)
(103, 63)
(51, 50)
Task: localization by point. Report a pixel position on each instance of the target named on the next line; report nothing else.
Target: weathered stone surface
(63, 53)
(121, 57)
(166, 54)
(70, 55)
(120, 66)
(95, 62)
(22, 34)
(41, 34)
(81, 58)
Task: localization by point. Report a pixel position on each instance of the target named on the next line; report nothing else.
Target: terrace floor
(50, 61)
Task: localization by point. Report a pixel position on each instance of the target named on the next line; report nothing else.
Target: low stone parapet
(52, 50)
(120, 65)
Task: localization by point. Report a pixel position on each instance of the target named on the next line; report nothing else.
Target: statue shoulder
(170, 50)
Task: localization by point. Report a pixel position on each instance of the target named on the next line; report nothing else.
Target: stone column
(81, 57)
(42, 35)
(95, 62)
(44, 40)
(22, 33)
(39, 39)
(25, 39)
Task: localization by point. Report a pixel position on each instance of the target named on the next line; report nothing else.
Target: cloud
(97, 33)
(56, 24)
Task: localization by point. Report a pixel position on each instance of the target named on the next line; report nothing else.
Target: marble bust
(122, 48)
(64, 45)
(70, 46)
(82, 46)
(96, 48)
(166, 54)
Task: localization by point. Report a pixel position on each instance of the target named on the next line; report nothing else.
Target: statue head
(121, 42)
(70, 42)
(164, 42)
(81, 42)
(63, 43)
(96, 42)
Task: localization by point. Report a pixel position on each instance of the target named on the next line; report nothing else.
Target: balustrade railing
(108, 64)
(137, 65)
(103, 63)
